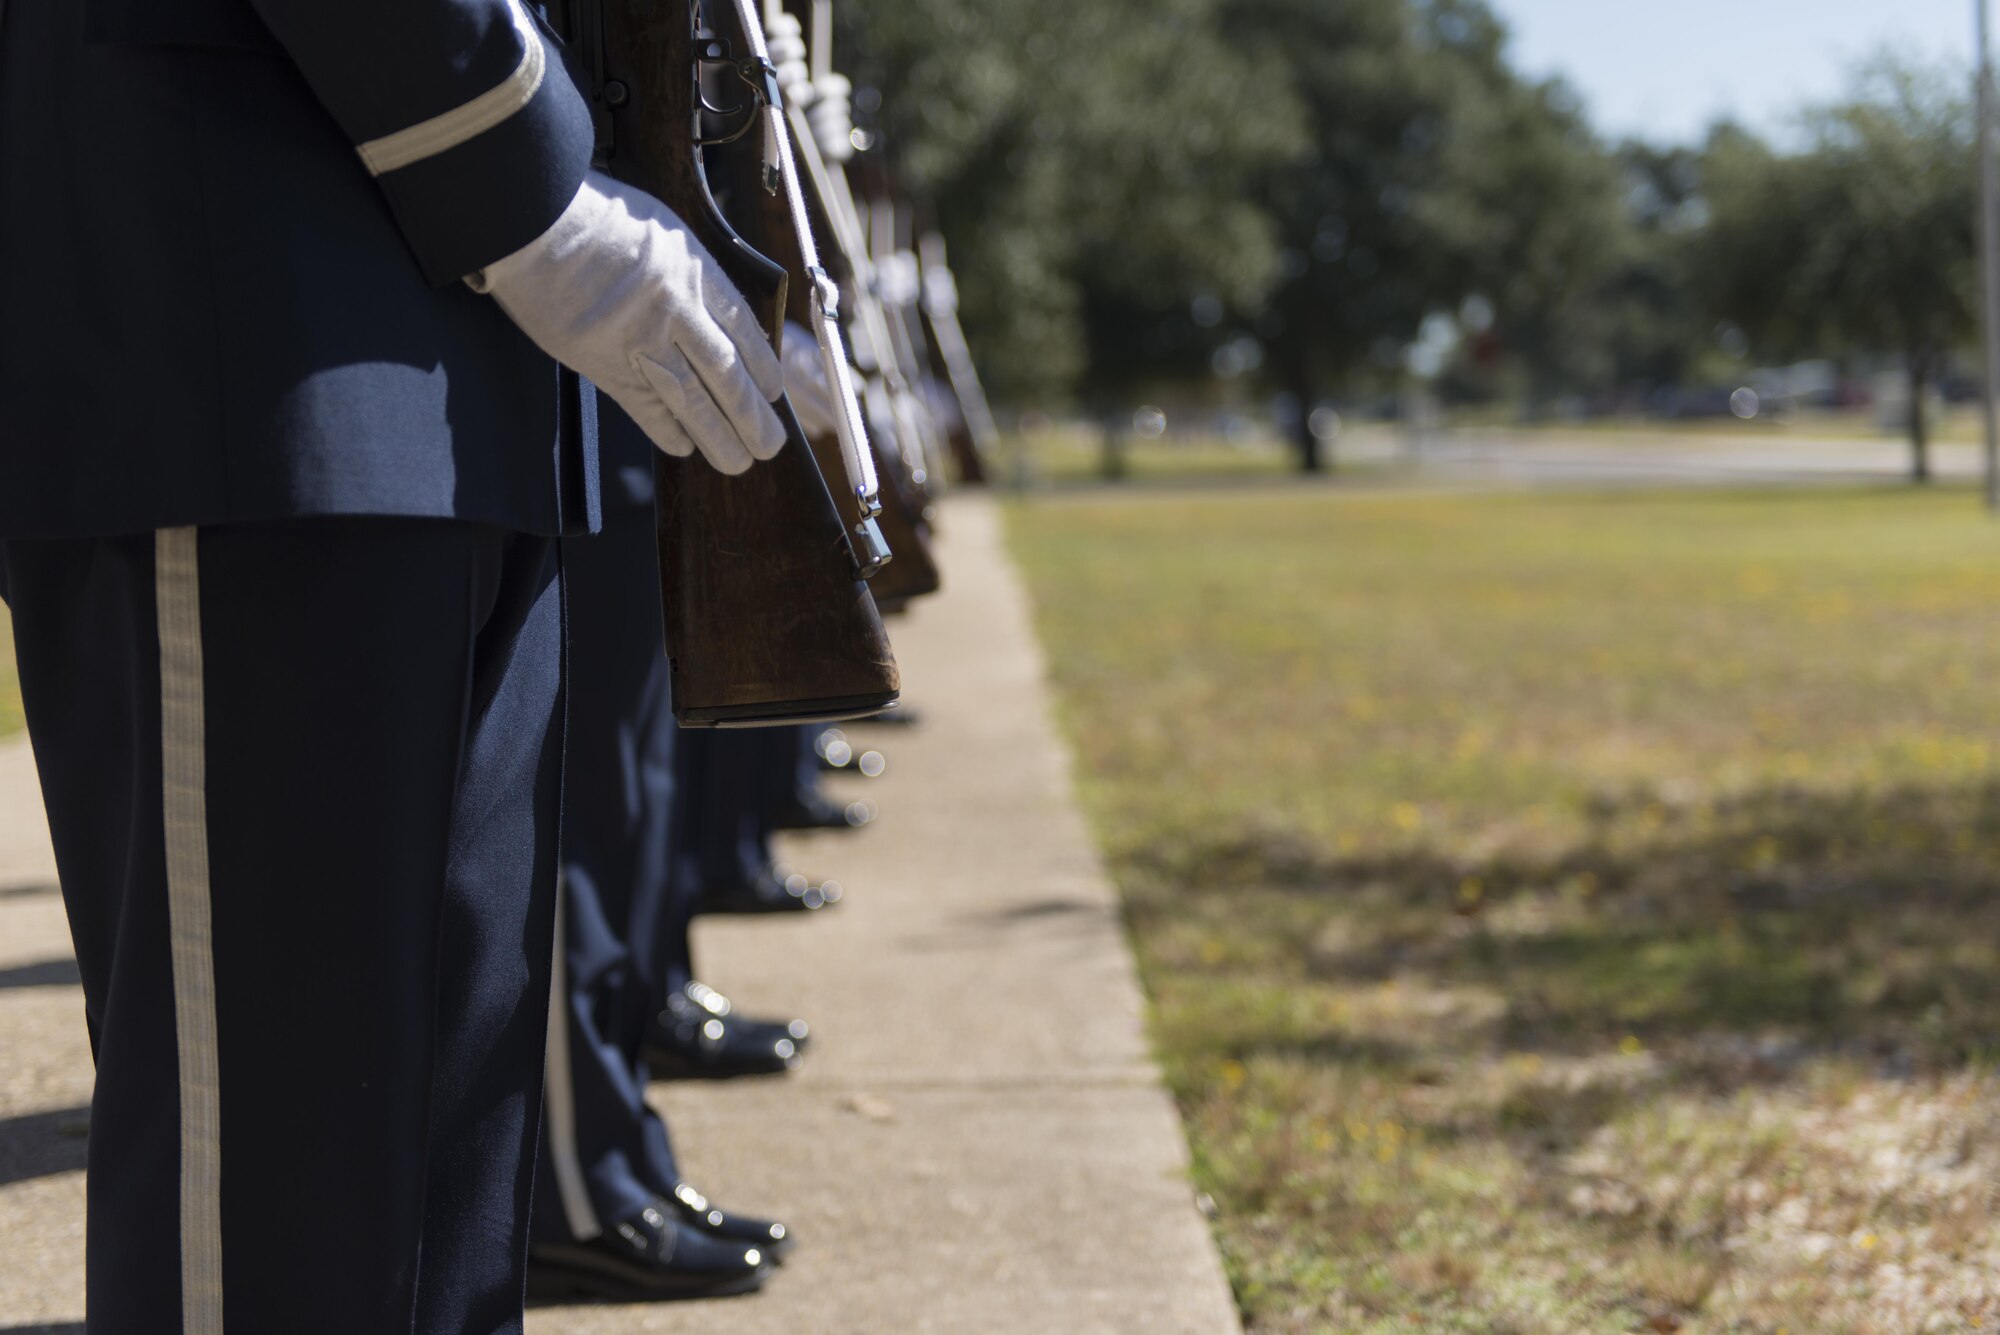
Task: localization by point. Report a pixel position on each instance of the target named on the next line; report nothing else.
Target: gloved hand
(620, 291)
(812, 398)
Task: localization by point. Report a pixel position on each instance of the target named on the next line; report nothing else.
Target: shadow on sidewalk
(28, 890)
(42, 973)
(41, 1145)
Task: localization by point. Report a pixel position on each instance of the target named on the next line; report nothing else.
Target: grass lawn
(1560, 913)
(1068, 455)
(10, 686)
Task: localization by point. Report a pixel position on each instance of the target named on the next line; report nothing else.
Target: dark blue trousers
(733, 775)
(606, 1153)
(303, 779)
(791, 767)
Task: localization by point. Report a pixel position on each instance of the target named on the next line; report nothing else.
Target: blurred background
(1266, 222)
(1545, 738)
(1498, 485)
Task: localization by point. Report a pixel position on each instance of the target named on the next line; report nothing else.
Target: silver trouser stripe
(449, 129)
(177, 592)
(559, 1096)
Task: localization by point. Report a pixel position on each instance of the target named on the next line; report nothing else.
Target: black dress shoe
(768, 1236)
(707, 998)
(689, 1041)
(657, 1253)
(835, 752)
(837, 755)
(817, 813)
(769, 893)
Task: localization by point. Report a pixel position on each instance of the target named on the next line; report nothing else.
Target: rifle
(899, 285)
(977, 437)
(768, 614)
(825, 158)
(906, 517)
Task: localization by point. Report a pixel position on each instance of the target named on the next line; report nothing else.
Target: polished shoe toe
(687, 1042)
(797, 1032)
(656, 1254)
(818, 814)
(699, 996)
(768, 1236)
(815, 811)
(773, 892)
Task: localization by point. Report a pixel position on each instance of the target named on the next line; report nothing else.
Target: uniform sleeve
(462, 110)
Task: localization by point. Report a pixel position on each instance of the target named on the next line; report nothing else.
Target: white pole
(1989, 260)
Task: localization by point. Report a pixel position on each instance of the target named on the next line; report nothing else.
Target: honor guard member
(284, 285)
(613, 1219)
(697, 1032)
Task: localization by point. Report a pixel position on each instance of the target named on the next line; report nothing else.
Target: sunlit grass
(10, 685)
(1560, 913)
(1067, 455)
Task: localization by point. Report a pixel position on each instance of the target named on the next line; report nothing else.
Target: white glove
(805, 383)
(620, 291)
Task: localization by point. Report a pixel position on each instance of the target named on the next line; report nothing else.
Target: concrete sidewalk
(978, 1141)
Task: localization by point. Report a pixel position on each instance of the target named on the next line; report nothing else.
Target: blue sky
(1663, 69)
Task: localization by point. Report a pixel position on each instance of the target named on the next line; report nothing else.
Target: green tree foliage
(1860, 241)
(1619, 320)
(1438, 174)
(1073, 149)
(1537, 227)
(1294, 189)
(1125, 191)
(1658, 326)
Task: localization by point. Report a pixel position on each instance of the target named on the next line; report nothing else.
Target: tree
(1535, 224)
(1439, 175)
(1863, 239)
(1659, 327)
(1087, 166)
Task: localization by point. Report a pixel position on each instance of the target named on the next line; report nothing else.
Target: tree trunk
(1112, 465)
(1312, 458)
(1920, 437)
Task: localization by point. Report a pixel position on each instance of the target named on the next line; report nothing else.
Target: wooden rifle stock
(768, 618)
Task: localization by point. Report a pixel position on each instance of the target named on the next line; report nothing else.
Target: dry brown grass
(1565, 913)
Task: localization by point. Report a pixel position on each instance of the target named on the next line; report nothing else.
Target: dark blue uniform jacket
(232, 234)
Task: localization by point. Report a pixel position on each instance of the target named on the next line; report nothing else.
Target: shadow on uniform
(43, 1144)
(42, 973)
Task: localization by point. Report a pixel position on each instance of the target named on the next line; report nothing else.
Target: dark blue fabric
(619, 800)
(210, 312)
(729, 772)
(382, 66)
(791, 775)
(383, 741)
(628, 461)
(469, 205)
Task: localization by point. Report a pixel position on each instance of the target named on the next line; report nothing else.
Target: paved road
(1557, 458)
(979, 1142)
